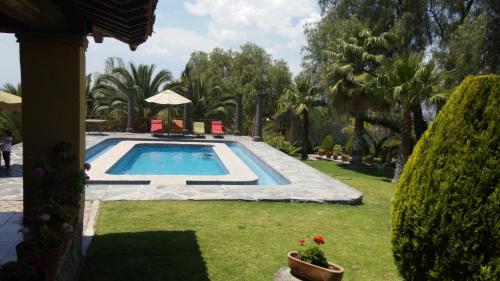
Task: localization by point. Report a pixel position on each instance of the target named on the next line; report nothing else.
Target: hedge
(445, 222)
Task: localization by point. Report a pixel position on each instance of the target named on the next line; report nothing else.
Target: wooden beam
(42, 15)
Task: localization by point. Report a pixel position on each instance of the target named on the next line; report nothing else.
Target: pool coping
(237, 172)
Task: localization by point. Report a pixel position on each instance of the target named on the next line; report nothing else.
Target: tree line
(375, 72)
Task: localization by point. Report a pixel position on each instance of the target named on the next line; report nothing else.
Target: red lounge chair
(217, 129)
(156, 126)
(177, 126)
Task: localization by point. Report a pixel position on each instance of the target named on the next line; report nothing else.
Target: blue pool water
(159, 159)
(266, 174)
(97, 150)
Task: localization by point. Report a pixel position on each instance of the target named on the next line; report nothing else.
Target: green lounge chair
(199, 129)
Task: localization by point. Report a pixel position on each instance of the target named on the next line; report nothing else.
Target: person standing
(6, 147)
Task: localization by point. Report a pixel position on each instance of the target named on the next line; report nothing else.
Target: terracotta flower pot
(312, 272)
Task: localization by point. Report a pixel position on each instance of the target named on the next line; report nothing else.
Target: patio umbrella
(168, 97)
(9, 102)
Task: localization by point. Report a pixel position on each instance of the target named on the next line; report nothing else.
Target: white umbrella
(9, 102)
(168, 97)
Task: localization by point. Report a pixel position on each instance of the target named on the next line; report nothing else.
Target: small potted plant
(311, 264)
(41, 248)
(321, 152)
(328, 154)
(344, 157)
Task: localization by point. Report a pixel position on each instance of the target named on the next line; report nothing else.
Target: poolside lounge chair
(199, 129)
(217, 129)
(156, 126)
(177, 126)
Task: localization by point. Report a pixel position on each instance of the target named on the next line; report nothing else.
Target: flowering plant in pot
(41, 247)
(60, 182)
(311, 264)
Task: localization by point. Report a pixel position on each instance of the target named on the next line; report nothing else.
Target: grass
(187, 240)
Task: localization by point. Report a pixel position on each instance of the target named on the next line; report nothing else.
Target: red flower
(302, 241)
(86, 166)
(319, 239)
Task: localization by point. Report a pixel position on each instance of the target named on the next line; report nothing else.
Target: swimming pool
(150, 164)
(157, 159)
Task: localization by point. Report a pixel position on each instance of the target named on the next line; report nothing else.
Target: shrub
(280, 143)
(327, 143)
(446, 218)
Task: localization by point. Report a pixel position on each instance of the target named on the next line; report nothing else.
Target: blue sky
(183, 26)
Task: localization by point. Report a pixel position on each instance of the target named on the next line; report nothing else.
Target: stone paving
(11, 216)
(306, 183)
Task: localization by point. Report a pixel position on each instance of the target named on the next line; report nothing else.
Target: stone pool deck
(306, 183)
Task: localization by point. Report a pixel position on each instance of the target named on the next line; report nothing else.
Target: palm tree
(12, 121)
(351, 71)
(300, 99)
(410, 82)
(133, 84)
(207, 100)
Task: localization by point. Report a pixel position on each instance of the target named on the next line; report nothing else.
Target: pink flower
(87, 166)
(39, 172)
(319, 239)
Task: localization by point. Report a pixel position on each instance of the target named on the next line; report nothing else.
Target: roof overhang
(130, 21)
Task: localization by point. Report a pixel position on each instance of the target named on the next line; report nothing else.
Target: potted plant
(328, 154)
(311, 264)
(344, 157)
(19, 271)
(337, 151)
(321, 152)
(41, 247)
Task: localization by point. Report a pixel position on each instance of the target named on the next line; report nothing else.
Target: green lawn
(166, 240)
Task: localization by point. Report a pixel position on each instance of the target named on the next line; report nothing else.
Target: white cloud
(168, 47)
(260, 21)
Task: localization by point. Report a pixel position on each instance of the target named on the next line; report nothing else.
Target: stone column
(258, 118)
(186, 127)
(53, 108)
(239, 114)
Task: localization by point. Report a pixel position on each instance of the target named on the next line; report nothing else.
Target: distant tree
(208, 101)
(300, 99)
(409, 82)
(492, 38)
(133, 84)
(352, 65)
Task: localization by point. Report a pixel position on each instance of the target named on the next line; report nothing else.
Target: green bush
(279, 142)
(327, 143)
(446, 212)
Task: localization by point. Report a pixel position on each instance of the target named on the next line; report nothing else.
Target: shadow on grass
(152, 256)
(375, 171)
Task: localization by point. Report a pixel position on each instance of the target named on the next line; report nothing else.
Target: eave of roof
(130, 21)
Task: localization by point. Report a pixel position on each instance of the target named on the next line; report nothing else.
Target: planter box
(312, 272)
